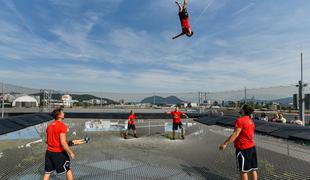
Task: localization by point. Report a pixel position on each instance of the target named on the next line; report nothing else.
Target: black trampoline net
(153, 155)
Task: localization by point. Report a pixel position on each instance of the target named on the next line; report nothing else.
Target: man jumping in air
(184, 18)
(176, 117)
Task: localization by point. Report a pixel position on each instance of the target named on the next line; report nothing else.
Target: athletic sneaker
(135, 136)
(183, 137)
(87, 139)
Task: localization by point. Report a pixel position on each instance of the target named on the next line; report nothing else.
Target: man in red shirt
(58, 150)
(131, 125)
(184, 18)
(176, 118)
(243, 138)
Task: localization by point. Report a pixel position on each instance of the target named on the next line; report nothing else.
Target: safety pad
(7, 126)
(270, 127)
(289, 130)
(12, 124)
(259, 123)
(226, 121)
(207, 120)
(304, 136)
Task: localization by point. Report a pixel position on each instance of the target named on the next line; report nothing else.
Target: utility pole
(245, 98)
(2, 109)
(301, 86)
(100, 102)
(154, 99)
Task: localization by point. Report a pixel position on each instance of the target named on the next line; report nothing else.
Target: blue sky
(126, 46)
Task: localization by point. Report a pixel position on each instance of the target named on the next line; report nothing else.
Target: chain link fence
(17, 99)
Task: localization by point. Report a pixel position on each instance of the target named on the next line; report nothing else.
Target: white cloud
(243, 9)
(244, 53)
(10, 4)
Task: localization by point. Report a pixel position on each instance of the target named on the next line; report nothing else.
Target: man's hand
(231, 138)
(72, 156)
(78, 141)
(222, 146)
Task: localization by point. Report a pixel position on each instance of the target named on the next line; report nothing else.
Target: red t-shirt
(131, 119)
(176, 116)
(245, 139)
(185, 25)
(53, 132)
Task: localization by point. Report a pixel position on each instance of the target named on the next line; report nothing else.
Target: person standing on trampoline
(176, 118)
(243, 138)
(131, 125)
(184, 18)
(58, 153)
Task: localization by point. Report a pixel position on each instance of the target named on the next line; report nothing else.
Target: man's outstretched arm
(181, 34)
(231, 138)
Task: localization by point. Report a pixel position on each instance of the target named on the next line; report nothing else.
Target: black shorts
(175, 126)
(183, 14)
(131, 126)
(57, 161)
(246, 159)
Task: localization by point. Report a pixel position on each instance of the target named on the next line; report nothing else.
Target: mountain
(161, 100)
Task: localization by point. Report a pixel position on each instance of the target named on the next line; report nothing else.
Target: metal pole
(154, 99)
(199, 99)
(149, 127)
(301, 68)
(2, 109)
(245, 98)
(301, 93)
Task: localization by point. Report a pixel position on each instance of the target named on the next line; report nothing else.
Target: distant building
(96, 102)
(273, 107)
(122, 101)
(296, 101)
(67, 100)
(25, 101)
(190, 104)
(9, 98)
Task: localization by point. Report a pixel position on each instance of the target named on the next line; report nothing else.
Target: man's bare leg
(179, 5)
(244, 176)
(185, 4)
(69, 175)
(183, 132)
(135, 133)
(46, 176)
(254, 175)
(126, 134)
